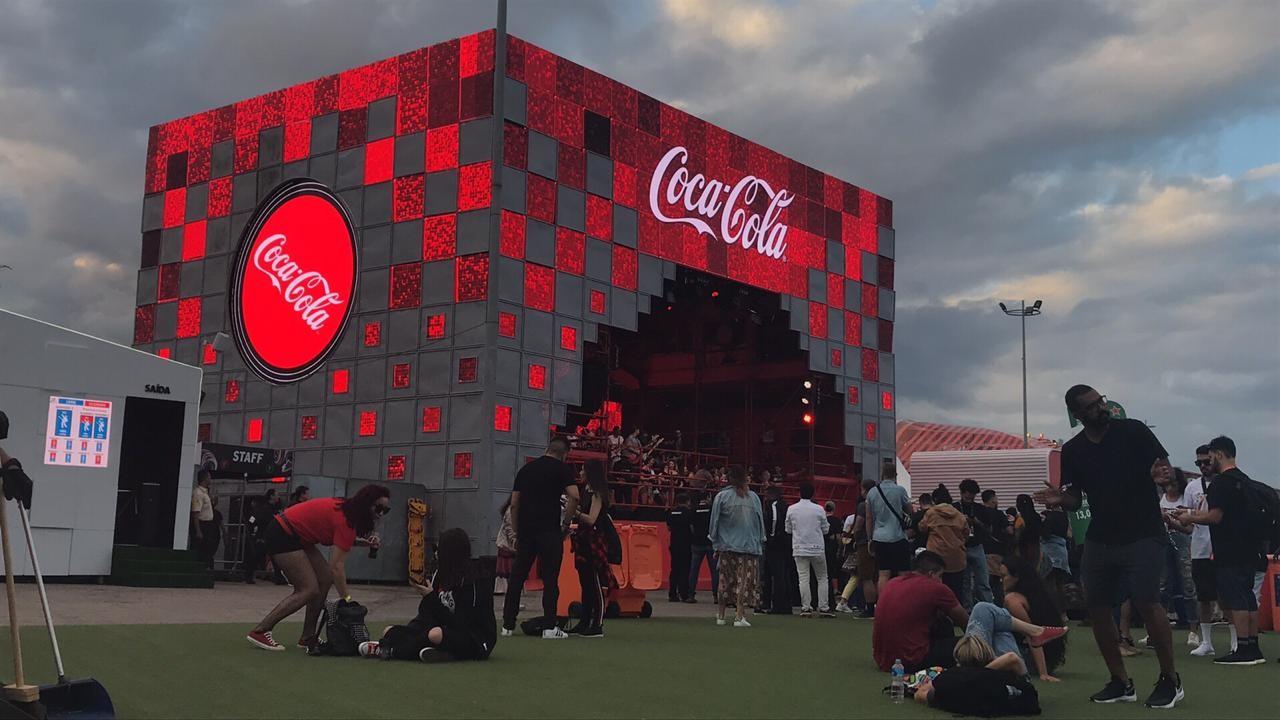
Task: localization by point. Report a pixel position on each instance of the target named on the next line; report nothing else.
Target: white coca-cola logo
(306, 290)
(706, 200)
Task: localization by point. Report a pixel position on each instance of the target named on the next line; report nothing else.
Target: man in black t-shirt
(1116, 462)
(540, 527)
(1236, 550)
(977, 584)
(680, 526)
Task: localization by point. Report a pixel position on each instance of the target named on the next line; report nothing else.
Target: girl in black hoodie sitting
(455, 619)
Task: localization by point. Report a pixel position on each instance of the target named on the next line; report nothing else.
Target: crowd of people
(967, 600)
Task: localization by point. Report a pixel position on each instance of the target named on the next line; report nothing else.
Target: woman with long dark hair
(1028, 599)
(292, 538)
(455, 618)
(591, 551)
(1029, 526)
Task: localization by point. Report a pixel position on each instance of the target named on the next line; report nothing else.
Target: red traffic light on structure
(808, 418)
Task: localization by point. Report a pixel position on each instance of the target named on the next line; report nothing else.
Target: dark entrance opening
(717, 362)
(150, 465)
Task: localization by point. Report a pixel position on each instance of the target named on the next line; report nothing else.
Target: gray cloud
(1026, 146)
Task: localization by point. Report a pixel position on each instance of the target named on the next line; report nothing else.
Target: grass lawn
(656, 668)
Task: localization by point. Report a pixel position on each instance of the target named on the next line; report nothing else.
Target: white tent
(71, 400)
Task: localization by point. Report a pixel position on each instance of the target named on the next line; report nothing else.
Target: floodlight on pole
(1023, 312)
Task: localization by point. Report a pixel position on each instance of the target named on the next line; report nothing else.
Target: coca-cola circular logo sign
(293, 281)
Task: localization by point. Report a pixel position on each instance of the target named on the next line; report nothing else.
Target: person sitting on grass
(992, 631)
(1028, 599)
(981, 683)
(455, 619)
(291, 540)
(916, 618)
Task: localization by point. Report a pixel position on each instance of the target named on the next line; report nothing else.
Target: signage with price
(78, 433)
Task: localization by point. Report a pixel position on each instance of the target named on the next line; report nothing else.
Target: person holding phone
(292, 539)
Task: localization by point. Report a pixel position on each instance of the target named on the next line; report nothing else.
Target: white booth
(107, 433)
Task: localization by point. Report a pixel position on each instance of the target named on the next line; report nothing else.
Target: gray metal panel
(222, 158)
(441, 191)
(506, 457)
(538, 331)
(350, 168)
(191, 279)
(599, 260)
(410, 154)
(197, 202)
(542, 155)
(624, 313)
(558, 413)
(281, 426)
(166, 326)
(508, 378)
(294, 170)
(215, 274)
(335, 463)
(886, 304)
(324, 169)
(852, 294)
(535, 418)
(571, 208)
(437, 282)
(599, 175)
(337, 425)
(366, 463)
(382, 119)
(819, 360)
(467, 417)
(311, 391)
(152, 212)
(566, 386)
(869, 267)
(268, 179)
(515, 100)
(799, 317)
(569, 300)
(146, 289)
(306, 462)
(375, 247)
(353, 198)
(514, 192)
(885, 241)
(213, 312)
(624, 226)
(870, 333)
(835, 324)
(270, 147)
(817, 286)
(510, 280)
(469, 323)
(217, 236)
(649, 276)
(539, 243)
(371, 379)
(435, 372)
(852, 428)
(373, 289)
(406, 242)
(473, 232)
(475, 140)
(402, 334)
(377, 204)
(512, 342)
(886, 367)
(324, 134)
(230, 428)
(429, 466)
(835, 257)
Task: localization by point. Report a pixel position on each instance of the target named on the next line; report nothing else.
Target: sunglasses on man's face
(1203, 463)
(382, 509)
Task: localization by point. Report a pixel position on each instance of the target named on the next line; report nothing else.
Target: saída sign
(293, 281)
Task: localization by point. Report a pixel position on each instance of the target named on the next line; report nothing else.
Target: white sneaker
(741, 623)
(721, 621)
(507, 633)
(844, 608)
(1193, 639)
(554, 634)
(1145, 642)
(368, 648)
(1204, 650)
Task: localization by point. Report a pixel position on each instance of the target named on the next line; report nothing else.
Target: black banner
(237, 461)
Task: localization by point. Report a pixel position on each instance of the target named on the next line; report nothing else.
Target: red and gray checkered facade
(466, 340)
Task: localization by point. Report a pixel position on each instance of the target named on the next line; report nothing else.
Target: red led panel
(817, 320)
(871, 431)
(209, 356)
(568, 337)
(408, 200)
(853, 394)
(352, 128)
(870, 300)
(411, 103)
(886, 336)
(537, 376)
(167, 285)
(341, 381)
(540, 198)
(472, 277)
(837, 358)
(571, 165)
(247, 153)
(474, 183)
(165, 352)
(400, 376)
(886, 400)
(468, 368)
(884, 276)
(188, 317)
(144, 324)
(852, 329)
(219, 197)
(175, 207)
(406, 286)
(624, 267)
(439, 237)
(515, 145)
(310, 424)
(435, 327)
(297, 140)
(204, 432)
(253, 433)
(193, 240)
(507, 324)
(442, 148)
(502, 418)
(539, 287)
(462, 465)
(379, 160)
(870, 364)
(430, 419)
(835, 290)
(597, 302)
(368, 423)
(395, 467)
(624, 185)
(511, 239)
(570, 251)
(599, 217)
(232, 392)
(372, 334)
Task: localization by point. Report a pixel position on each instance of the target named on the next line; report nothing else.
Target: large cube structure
(499, 218)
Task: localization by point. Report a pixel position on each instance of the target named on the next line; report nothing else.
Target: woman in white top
(1178, 586)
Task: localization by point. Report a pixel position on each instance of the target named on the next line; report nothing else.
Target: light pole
(1024, 312)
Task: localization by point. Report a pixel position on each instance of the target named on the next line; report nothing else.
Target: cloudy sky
(1119, 160)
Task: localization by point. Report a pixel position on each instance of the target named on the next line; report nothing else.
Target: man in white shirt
(1202, 570)
(202, 519)
(807, 524)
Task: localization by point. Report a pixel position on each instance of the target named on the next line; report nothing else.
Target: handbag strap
(901, 522)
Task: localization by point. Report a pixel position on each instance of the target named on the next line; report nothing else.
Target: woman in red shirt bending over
(291, 540)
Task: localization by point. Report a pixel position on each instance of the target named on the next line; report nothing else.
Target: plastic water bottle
(898, 681)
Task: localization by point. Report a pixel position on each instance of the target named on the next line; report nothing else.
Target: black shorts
(1235, 588)
(1205, 577)
(276, 540)
(1112, 573)
(894, 556)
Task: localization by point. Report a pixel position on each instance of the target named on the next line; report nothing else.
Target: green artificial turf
(656, 668)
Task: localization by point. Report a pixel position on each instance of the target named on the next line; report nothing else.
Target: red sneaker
(263, 640)
(1049, 635)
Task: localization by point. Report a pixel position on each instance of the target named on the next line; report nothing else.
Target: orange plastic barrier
(1269, 615)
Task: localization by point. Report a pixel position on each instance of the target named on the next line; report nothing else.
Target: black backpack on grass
(344, 628)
